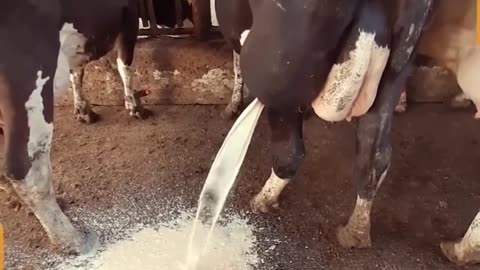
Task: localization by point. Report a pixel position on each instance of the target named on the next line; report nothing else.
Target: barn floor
(432, 191)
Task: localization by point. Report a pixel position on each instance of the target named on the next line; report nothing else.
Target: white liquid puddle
(162, 247)
(220, 180)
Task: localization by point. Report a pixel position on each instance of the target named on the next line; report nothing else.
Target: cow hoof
(450, 251)
(90, 243)
(349, 239)
(401, 108)
(230, 112)
(260, 204)
(83, 243)
(86, 116)
(140, 113)
(459, 103)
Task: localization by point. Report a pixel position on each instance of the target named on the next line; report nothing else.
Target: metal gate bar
(201, 19)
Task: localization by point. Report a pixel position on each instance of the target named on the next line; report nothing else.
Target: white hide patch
(40, 137)
(467, 75)
(244, 36)
(360, 217)
(70, 56)
(279, 5)
(351, 86)
(371, 81)
(213, 13)
(382, 177)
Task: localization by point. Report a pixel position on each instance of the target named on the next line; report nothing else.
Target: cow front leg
(82, 109)
(236, 102)
(288, 154)
(28, 138)
(126, 47)
(466, 250)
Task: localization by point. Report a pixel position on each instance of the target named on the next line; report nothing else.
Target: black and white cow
(95, 28)
(101, 29)
(46, 43)
(343, 58)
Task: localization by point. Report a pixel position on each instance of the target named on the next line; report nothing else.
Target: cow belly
(351, 86)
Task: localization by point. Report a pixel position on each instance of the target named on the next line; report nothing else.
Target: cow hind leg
(28, 138)
(236, 102)
(82, 109)
(125, 45)
(466, 250)
(372, 158)
(288, 153)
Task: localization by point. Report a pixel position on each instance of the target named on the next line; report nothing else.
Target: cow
(243, 19)
(98, 30)
(345, 59)
(49, 43)
(122, 27)
(467, 250)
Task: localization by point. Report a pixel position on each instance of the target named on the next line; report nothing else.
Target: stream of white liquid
(220, 180)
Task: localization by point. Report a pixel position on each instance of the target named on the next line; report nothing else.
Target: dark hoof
(230, 112)
(140, 113)
(88, 117)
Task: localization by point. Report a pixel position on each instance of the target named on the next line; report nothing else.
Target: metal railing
(200, 14)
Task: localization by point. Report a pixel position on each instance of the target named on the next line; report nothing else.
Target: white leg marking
(213, 13)
(81, 105)
(279, 5)
(37, 189)
(471, 240)
(268, 196)
(402, 103)
(467, 250)
(126, 75)
(382, 177)
(361, 213)
(357, 231)
(244, 36)
(237, 93)
(344, 82)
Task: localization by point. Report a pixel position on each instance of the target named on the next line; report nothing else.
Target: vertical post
(152, 18)
(2, 248)
(201, 18)
(142, 12)
(179, 13)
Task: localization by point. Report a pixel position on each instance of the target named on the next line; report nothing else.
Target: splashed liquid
(220, 180)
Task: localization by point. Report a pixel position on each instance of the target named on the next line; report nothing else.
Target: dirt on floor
(432, 191)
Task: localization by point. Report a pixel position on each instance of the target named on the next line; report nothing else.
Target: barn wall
(453, 30)
(451, 33)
